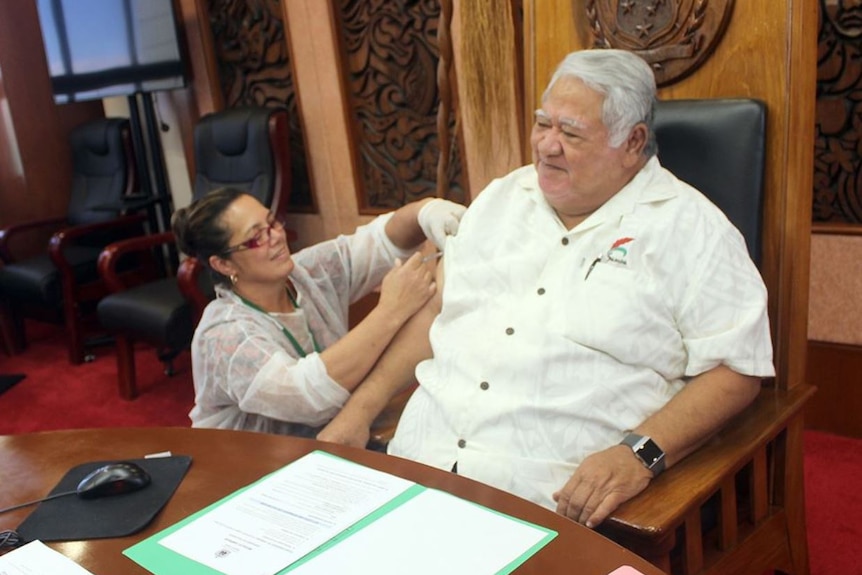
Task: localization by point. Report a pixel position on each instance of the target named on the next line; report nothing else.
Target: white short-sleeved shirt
(551, 343)
(247, 374)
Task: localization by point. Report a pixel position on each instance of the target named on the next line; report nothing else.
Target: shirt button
(541, 291)
(484, 385)
(462, 443)
(565, 241)
(509, 331)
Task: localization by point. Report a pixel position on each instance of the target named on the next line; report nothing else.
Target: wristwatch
(647, 451)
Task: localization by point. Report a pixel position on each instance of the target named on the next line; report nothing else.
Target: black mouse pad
(70, 518)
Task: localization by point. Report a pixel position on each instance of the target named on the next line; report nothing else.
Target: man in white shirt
(600, 318)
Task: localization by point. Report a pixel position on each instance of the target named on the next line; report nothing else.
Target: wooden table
(31, 464)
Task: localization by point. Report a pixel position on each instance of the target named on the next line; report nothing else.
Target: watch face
(650, 453)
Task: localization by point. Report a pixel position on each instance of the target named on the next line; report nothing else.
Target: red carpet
(833, 476)
(56, 395)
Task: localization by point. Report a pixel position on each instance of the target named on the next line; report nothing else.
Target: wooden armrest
(15, 232)
(188, 280)
(68, 235)
(114, 252)
(658, 510)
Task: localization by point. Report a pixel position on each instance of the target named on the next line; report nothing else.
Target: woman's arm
(242, 358)
(403, 227)
(432, 218)
(405, 289)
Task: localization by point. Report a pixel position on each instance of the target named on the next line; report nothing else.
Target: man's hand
(603, 482)
(346, 430)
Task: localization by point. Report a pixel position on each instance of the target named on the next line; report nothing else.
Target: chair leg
(11, 330)
(166, 356)
(126, 368)
(74, 333)
(794, 503)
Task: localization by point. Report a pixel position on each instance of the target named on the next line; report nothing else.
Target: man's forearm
(395, 371)
(608, 478)
(699, 410)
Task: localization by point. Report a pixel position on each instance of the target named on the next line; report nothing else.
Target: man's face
(578, 170)
(845, 15)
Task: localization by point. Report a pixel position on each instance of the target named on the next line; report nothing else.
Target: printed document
(293, 512)
(36, 558)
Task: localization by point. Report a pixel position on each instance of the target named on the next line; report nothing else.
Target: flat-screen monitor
(102, 48)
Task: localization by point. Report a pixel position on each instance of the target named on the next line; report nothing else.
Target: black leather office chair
(245, 148)
(719, 147)
(61, 283)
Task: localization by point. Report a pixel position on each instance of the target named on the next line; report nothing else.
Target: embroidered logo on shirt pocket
(618, 252)
(617, 256)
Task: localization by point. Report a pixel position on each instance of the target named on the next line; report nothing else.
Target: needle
(432, 257)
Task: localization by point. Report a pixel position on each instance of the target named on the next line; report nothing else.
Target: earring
(234, 279)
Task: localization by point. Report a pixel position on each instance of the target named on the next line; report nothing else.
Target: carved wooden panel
(390, 57)
(838, 143)
(674, 36)
(254, 69)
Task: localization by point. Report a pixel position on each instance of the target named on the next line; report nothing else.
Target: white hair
(625, 80)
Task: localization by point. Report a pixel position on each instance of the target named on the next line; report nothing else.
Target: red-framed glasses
(261, 238)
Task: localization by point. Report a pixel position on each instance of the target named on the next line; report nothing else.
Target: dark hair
(200, 231)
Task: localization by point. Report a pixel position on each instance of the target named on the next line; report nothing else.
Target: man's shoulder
(525, 177)
(677, 198)
(516, 182)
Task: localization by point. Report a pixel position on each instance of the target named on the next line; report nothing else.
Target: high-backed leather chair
(736, 504)
(61, 283)
(245, 148)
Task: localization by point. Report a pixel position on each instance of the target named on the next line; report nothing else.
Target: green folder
(161, 560)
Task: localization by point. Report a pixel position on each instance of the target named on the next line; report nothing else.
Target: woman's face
(845, 16)
(258, 244)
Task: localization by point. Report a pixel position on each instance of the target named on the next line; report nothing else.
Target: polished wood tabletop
(31, 464)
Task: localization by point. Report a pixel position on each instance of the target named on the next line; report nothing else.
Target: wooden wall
(363, 114)
(835, 329)
(835, 310)
(837, 370)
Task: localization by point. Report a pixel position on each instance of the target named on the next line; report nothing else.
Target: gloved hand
(439, 219)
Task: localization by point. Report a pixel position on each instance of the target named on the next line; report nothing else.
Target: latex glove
(439, 219)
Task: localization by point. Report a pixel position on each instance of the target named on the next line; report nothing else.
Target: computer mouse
(113, 479)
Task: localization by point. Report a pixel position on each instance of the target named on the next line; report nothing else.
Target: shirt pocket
(619, 311)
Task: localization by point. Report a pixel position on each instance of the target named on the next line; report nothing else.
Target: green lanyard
(284, 330)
